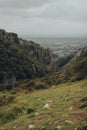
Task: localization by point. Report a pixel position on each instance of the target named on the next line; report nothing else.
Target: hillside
(38, 93)
(21, 59)
(25, 60)
(69, 68)
(76, 67)
(63, 107)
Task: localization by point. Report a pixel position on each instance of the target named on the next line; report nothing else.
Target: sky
(44, 18)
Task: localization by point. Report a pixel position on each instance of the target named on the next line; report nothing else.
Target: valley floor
(62, 107)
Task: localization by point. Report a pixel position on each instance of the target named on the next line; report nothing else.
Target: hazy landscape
(43, 65)
(61, 46)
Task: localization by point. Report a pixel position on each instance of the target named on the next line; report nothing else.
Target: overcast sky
(35, 18)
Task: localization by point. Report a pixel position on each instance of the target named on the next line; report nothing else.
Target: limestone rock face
(22, 59)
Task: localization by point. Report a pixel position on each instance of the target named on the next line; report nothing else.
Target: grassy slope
(66, 103)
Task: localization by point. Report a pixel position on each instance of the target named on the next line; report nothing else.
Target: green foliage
(83, 99)
(4, 117)
(19, 62)
(30, 110)
(64, 60)
(40, 85)
(79, 69)
(83, 105)
(13, 91)
(2, 87)
(5, 99)
(10, 115)
(76, 69)
(31, 84)
(83, 128)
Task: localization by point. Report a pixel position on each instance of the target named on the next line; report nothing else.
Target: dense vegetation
(61, 61)
(79, 66)
(75, 69)
(71, 68)
(20, 59)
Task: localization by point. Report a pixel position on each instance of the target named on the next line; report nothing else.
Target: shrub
(30, 110)
(77, 76)
(2, 97)
(7, 116)
(5, 99)
(10, 98)
(13, 91)
(83, 105)
(83, 99)
(83, 128)
(10, 114)
(18, 110)
(30, 85)
(2, 87)
(40, 85)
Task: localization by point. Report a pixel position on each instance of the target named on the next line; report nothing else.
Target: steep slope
(20, 59)
(77, 66)
(72, 67)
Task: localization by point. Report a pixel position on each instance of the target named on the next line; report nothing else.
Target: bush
(30, 110)
(2, 97)
(10, 114)
(30, 85)
(40, 85)
(79, 69)
(2, 87)
(10, 98)
(82, 128)
(77, 76)
(5, 87)
(83, 105)
(5, 99)
(17, 109)
(5, 117)
(13, 91)
(83, 99)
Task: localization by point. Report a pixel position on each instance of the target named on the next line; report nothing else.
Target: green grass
(64, 111)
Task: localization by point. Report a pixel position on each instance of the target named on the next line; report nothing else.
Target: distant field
(61, 46)
(20, 109)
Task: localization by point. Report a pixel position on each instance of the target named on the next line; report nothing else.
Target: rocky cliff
(70, 68)
(21, 59)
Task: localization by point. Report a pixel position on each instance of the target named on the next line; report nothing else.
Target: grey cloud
(44, 17)
(70, 10)
(22, 3)
(62, 11)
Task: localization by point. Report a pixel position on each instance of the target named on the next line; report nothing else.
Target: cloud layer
(44, 17)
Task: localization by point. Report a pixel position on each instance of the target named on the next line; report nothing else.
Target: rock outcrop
(21, 59)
